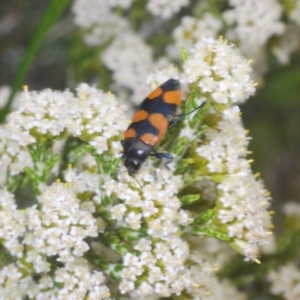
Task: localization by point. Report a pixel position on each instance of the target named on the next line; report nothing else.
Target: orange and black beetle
(150, 123)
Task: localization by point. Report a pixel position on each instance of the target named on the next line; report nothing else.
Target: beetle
(150, 123)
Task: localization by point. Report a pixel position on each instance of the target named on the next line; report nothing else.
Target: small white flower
(118, 211)
(285, 281)
(295, 13)
(258, 21)
(165, 8)
(96, 116)
(39, 114)
(125, 4)
(219, 69)
(143, 245)
(79, 281)
(99, 143)
(129, 69)
(98, 21)
(134, 220)
(190, 31)
(60, 226)
(12, 221)
(291, 209)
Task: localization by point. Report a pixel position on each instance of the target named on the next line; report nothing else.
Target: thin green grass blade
(52, 14)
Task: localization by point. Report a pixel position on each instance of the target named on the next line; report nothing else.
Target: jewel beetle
(150, 123)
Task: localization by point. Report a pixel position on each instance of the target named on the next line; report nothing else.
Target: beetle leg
(161, 156)
(178, 118)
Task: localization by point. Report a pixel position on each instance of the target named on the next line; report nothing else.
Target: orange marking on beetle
(172, 97)
(156, 93)
(149, 139)
(160, 122)
(140, 115)
(129, 133)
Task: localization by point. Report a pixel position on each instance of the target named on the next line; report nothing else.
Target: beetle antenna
(198, 107)
(130, 175)
(137, 182)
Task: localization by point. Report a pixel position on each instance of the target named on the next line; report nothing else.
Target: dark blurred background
(272, 115)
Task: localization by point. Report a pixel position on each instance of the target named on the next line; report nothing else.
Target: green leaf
(122, 249)
(188, 199)
(191, 101)
(129, 234)
(179, 148)
(49, 165)
(213, 233)
(115, 276)
(106, 201)
(14, 182)
(184, 54)
(30, 173)
(183, 164)
(34, 153)
(5, 257)
(204, 217)
(103, 264)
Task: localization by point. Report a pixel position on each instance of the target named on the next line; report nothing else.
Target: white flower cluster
(191, 30)
(12, 223)
(219, 70)
(223, 76)
(167, 272)
(160, 76)
(13, 157)
(96, 117)
(163, 254)
(201, 284)
(129, 69)
(291, 209)
(244, 210)
(224, 289)
(251, 24)
(295, 13)
(165, 8)
(83, 182)
(78, 282)
(39, 114)
(225, 148)
(101, 25)
(60, 226)
(243, 199)
(287, 43)
(87, 185)
(256, 20)
(97, 20)
(217, 249)
(93, 115)
(15, 286)
(125, 4)
(164, 261)
(285, 281)
(156, 203)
